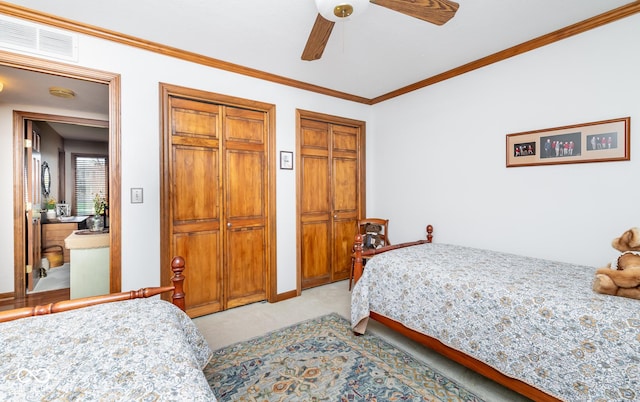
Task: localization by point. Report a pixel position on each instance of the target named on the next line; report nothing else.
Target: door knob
(228, 224)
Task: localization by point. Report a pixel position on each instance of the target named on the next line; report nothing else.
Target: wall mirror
(46, 180)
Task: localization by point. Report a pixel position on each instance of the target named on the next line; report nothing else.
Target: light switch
(136, 196)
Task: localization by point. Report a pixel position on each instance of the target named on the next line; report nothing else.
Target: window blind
(91, 178)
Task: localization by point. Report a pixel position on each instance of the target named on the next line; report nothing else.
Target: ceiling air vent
(27, 37)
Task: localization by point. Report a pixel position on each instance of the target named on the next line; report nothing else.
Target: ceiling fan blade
(434, 11)
(318, 39)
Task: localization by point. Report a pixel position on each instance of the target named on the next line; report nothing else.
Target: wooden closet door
(245, 189)
(218, 208)
(196, 200)
(344, 174)
(329, 199)
(315, 203)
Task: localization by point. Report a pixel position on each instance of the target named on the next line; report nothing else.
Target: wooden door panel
(245, 188)
(203, 273)
(314, 134)
(245, 261)
(345, 139)
(195, 184)
(314, 188)
(244, 125)
(195, 202)
(315, 253)
(245, 184)
(344, 232)
(194, 118)
(345, 184)
(189, 122)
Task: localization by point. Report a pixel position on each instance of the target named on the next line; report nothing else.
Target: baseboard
(286, 295)
(7, 296)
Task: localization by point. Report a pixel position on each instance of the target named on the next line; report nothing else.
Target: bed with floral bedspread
(142, 349)
(534, 320)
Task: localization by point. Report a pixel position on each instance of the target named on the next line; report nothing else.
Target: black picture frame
(286, 160)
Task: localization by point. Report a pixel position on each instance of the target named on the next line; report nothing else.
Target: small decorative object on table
(96, 222)
(50, 205)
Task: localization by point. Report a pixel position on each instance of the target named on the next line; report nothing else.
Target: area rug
(322, 360)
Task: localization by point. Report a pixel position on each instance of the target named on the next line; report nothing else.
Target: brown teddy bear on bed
(622, 276)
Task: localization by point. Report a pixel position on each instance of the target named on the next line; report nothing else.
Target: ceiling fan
(329, 11)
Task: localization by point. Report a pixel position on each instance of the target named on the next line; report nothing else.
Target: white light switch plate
(136, 196)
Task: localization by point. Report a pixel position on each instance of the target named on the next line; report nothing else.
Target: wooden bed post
(357, 259)
(177, 266)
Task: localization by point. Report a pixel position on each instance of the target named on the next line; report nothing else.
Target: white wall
(141, 73)
(437, 155)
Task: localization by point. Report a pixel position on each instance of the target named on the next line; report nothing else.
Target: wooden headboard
(360, 254)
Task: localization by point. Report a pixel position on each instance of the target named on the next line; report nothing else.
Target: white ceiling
(22, 87)
(377, 53)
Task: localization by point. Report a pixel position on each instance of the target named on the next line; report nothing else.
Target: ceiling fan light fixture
(62, 92)
(340, 10)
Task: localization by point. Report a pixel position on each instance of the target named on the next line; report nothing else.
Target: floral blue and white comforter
(535, 320)
(135, 350)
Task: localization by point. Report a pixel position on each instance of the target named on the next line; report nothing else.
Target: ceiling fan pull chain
(343, 35)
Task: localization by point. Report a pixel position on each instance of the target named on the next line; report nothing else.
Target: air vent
(27, 37)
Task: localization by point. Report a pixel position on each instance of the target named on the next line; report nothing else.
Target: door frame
(19, 209)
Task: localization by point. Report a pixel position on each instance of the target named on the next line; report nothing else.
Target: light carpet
(321, 359)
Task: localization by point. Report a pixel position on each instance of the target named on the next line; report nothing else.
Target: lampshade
(340, 10)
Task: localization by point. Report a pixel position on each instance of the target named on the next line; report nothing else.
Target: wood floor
(36, 299)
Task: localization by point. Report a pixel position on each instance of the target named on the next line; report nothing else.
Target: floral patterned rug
(322, 360)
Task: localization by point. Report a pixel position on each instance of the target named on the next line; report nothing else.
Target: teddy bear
(372, 238)
(622, 276)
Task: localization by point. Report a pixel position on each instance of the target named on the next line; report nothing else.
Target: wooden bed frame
(177, 266)
(470, 362)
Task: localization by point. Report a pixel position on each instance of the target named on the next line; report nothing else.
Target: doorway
(59, 139)
(38, 68)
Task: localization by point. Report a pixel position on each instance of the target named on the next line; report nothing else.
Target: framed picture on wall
(286, 160)
(600, 141)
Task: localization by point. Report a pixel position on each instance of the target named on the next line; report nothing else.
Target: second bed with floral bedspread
(535, 320)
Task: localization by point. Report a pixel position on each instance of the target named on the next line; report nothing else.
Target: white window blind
(90, 178)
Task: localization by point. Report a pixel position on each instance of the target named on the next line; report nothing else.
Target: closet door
(345, 205)
(245, 188)
(216, 203)
(330, 198)
(195, 211)
(315, 198)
